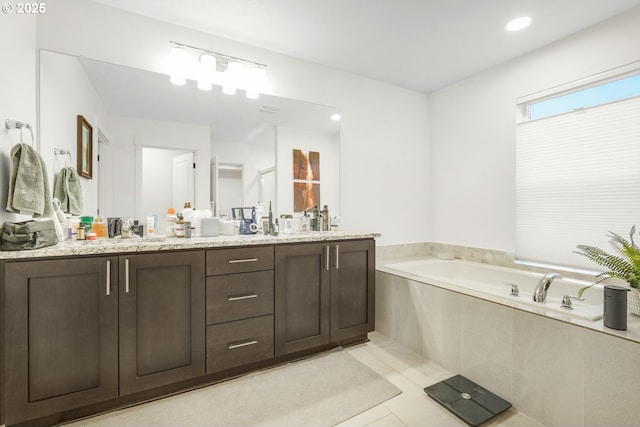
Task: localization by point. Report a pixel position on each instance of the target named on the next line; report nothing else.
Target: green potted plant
(624, 264)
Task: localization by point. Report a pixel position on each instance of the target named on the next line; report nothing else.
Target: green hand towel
(68, 191)
(28, 183)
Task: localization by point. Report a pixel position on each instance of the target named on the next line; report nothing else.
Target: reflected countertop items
(116, 246)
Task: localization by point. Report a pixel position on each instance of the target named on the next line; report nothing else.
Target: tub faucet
(540, 293)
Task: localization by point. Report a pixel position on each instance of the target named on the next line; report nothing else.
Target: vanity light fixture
(518, 23)
(231, 78)
(178, 65)
(256, 82)
(206, 71)
(232, 72)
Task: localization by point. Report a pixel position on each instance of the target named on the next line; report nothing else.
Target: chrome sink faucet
(540, 293)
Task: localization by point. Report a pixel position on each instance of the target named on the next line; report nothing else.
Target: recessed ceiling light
(518, 23)
(336, 117)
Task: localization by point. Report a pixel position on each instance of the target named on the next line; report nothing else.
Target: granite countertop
(117, 245)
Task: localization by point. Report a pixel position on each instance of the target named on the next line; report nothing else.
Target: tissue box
(210, 227)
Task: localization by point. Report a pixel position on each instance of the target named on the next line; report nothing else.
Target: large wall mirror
(148, 133)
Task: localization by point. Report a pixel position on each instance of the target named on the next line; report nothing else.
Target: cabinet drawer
(239, 343)
(239, 296)
(239, 260)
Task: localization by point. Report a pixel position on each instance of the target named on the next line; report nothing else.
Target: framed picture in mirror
(85, 148)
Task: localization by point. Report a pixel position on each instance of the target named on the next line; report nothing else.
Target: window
(592, 96)
(577, 170)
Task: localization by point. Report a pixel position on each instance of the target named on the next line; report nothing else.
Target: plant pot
(634, 301)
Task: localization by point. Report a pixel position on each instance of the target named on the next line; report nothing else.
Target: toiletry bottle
(137, 228)
(276, 228)
(171, 222)
(270, 219)
(151, 226)
(179, 226)
(187, 229)
(325, 219)
(187, 213)
(80, 234)
(100, 228)
(316, 219)
(125, 231)
(259, 214)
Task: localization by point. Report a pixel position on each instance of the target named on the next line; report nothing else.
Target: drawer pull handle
(126, 275)
(326, 261)
(242, 344)
(108, 278)
(236, 261)
(241, 297)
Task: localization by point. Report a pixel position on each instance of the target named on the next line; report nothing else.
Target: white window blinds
(577, 178)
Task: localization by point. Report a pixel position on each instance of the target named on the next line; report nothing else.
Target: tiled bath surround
(557, 373)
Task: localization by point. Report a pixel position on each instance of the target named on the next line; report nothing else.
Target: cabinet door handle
(241, 297)
(126, 275)
(337, 257)
(108, 278)
(326, 261)
(243, 344)
(235, 261)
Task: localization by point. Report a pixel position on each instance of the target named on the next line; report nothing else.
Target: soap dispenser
(187, 212)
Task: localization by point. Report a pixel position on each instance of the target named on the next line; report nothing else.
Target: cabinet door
(60, 319)
(162, 319)
(301, 297)
(352, 289)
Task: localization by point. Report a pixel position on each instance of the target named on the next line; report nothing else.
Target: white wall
(17, 92)
(384, 140)
(473, 131)
(325, 144)
(65, 92)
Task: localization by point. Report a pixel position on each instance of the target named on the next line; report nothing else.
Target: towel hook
(66, 153)
(14, 124)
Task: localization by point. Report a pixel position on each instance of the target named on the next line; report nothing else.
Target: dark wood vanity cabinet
(324, 293)
(60, 335)
(239, 307)
(302, 297)
(162, 319)
(352, 289)
(85, 334)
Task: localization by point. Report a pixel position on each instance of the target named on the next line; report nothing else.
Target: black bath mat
(467, 400)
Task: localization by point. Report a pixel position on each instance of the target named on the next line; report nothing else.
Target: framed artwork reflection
(306, 196)
(85, 148)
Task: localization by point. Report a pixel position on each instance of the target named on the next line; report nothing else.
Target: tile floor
(411, 372)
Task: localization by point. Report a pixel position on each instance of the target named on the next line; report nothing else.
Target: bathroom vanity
(92, 326)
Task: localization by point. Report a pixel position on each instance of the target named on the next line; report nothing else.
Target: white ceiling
(418, 44)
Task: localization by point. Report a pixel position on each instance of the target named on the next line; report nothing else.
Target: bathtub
(493, 283)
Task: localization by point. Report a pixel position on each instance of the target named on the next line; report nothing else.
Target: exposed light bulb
(231, 78)
(206, 71)
(257, 78)
(178, 66)
(518, 23)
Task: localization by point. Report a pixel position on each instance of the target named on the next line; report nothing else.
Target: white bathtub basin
(490, 282)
